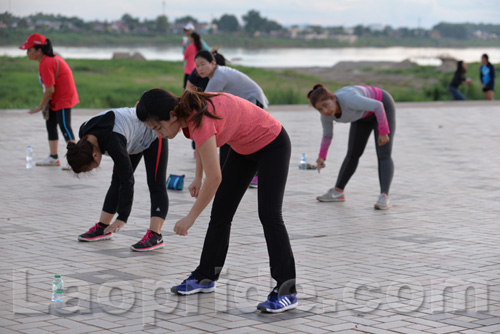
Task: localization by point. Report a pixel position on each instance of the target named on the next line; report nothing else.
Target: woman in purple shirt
(367, 108)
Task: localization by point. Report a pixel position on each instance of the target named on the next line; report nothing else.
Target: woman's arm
(207, 153)
(47, 95)
(194, 187)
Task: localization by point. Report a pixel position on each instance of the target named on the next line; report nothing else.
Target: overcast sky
(396, 13)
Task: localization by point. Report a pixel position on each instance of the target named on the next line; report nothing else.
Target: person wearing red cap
(59, 91)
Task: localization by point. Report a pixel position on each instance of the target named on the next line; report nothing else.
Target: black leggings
(358, 137)
(155, 160)
(272, 163)
(63, 118)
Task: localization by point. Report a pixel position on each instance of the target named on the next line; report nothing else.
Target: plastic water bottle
(29, 157)
(303, 162)
(57, 289)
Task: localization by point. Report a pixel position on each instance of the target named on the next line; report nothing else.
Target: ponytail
(197, 41)
(80, 155)
(159, 104)
(191, 101)
(318, 93)
(46, 48)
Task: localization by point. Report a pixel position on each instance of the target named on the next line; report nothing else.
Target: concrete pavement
(430, 264)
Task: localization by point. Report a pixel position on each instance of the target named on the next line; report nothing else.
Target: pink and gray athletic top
(356, 102)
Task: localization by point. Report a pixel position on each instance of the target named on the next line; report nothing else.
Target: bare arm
(207, 153)
(47, 95)
(194, 187)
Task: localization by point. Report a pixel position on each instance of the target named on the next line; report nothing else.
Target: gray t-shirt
(228, 80)
(138, 136)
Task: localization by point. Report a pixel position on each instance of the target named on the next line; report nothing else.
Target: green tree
(130, 22)
(228, 23)
(7, 18)
(186, 19)
(253, 22)
(272, 26)
(162, 25)
(22, 23)
(449, 30)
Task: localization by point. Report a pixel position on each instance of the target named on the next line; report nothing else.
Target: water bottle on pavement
(303, 162)
(57, 289)
(29, 157)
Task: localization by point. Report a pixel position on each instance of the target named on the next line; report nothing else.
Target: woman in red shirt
(58, 89)
(258, 144)
(189, 53)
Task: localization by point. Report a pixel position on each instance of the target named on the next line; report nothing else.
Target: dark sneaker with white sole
(278, 304)
(96, 233)
(149, 242)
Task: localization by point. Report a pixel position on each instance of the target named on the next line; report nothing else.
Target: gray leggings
(358, 137)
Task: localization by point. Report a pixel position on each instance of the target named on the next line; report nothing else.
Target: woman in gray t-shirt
(228, 80)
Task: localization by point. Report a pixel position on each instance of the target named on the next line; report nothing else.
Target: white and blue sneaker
(278, 304)
(191, 286)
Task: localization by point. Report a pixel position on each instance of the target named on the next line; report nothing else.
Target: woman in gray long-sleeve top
(367, 108)
(228, 80)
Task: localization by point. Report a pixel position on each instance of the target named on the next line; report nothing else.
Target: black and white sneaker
(149, 242)
(96, 233)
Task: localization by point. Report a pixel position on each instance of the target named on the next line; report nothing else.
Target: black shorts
(485, 89)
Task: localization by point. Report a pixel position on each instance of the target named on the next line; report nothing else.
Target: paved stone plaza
(430, 264)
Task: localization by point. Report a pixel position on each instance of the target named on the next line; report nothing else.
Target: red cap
(33, 39)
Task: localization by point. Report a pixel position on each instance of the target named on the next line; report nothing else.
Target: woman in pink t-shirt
(259, 144)
(189, 53)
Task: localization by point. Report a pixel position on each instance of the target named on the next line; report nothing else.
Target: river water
(288, 57)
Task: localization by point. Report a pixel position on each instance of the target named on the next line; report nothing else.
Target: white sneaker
(49, 161)
(383, 202)
(332, 195)
(66, 167)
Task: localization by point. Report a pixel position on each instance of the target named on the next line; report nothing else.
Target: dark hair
(80, 155)
(485, 56)
(460, 68)
(158, 104)
(197, 41)
(318, 94)
(211, 56)
(46, 48)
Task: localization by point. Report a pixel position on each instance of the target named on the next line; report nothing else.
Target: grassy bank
(119, 83)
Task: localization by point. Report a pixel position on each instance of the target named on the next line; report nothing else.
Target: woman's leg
(223, 153)
(64, 121)
(384, 152)
(237, 173)
(110, 205)
(51, 125)
(488, 95)
(457, 95)
(358, 137)
(155, 159)
(273, 162)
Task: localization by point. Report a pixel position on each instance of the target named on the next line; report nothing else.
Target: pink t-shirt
(244, 126)
(189, 54)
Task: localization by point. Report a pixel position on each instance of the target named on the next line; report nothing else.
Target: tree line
(253, 23)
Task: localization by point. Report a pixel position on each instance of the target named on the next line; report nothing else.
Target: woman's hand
(194, 187)
(116, 226)
(34, 111)
(382, 140)
(320, 163)
(183, 225)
